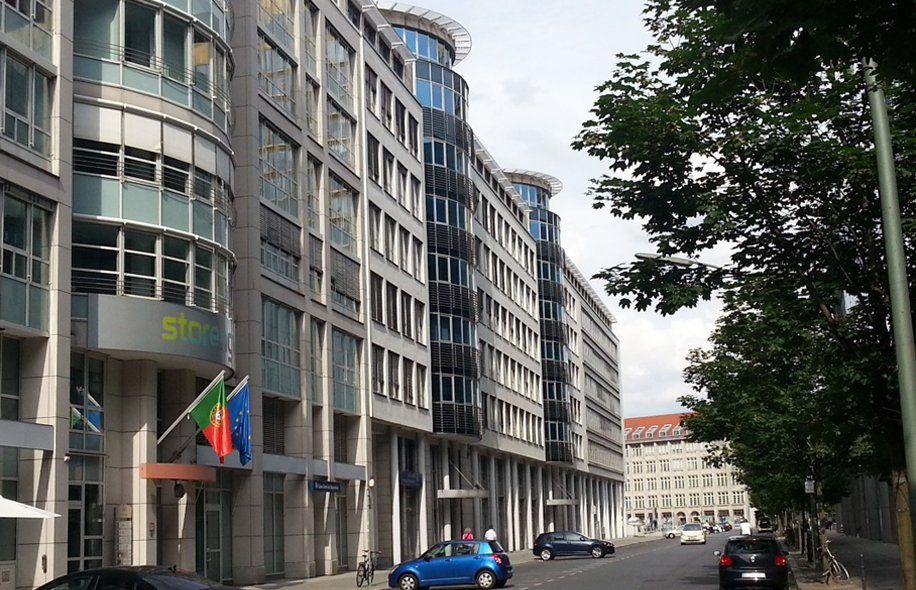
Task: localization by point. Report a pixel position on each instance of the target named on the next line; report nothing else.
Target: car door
(438, 568)
(580, 543)
(465, 562)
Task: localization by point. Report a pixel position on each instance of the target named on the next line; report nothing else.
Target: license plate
(754, 575)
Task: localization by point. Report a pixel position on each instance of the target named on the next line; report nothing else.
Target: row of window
(25, 228)
(30, 23)
(504, 369)
(504, 278)
(512, 421)
(25, 103)
(510, 327)
(685, 500)
(396, 243)
(606, 397)
(397, 309)
(427, 47)
(398, 378)
(381, 102)
(442, 89)
(393, 177)
(118, 260)
(162, 53)
(705, 480)
(506, 235)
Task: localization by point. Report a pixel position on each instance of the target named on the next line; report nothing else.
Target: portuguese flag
(212, 416)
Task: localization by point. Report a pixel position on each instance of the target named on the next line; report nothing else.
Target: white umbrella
(13, 509)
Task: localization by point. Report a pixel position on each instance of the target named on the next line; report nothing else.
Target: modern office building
(290, 192)
(670, 482)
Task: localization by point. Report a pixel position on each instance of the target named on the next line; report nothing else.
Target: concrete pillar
(178, 529)
(136, 444)
(395, 497)
(477, 507)
(446, 485)
(517, 514)
(529, 507)
(541, 506)
(423, 444)
(494, 495)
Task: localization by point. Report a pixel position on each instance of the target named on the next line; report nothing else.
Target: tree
(773, 385)
(707, 149)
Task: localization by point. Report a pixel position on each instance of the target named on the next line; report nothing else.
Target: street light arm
(676, 261)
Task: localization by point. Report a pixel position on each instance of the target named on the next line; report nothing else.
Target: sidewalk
(882, 564)
(348, 579)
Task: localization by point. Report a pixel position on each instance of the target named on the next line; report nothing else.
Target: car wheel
(408, 582)
(546, 554)
(597, 552)
(669, 536)
(486, 580)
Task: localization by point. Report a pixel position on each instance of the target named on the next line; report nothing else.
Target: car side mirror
(717, 553)
(426, 558)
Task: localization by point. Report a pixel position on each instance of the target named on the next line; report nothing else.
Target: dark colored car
(471, 561)
(140, 577)
(752, 561)
(561, 543)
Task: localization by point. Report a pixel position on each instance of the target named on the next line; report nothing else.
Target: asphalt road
(664, 564)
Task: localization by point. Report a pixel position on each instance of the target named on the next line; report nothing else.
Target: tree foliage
(787, 409)
(707, 148)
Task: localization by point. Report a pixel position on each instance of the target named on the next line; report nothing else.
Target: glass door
(343, 532)
(85, 513)
(214, 529)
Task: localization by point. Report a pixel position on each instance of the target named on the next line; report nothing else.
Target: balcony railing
(148, 288)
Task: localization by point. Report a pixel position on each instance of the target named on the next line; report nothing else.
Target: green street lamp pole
(901, 317)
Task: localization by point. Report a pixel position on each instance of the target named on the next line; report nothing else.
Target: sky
(532, 71)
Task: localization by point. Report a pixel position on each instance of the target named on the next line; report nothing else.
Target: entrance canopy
(13, 509)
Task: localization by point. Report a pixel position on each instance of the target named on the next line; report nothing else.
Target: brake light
(499, 559)
(725, 560)
(780, 560)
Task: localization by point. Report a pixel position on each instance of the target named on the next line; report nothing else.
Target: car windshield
(693, 527)
(440, 550)
(753, 546)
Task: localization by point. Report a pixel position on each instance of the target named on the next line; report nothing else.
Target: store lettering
(194, 332)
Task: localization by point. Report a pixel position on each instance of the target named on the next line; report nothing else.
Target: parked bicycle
(366, 568)
(835, 570)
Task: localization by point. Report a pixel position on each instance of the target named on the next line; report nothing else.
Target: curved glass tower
(537, 189)
(439, 43)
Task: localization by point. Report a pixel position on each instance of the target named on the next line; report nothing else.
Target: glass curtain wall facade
(451, 200)
(551, 262)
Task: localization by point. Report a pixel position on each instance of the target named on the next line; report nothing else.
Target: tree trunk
(904, 529)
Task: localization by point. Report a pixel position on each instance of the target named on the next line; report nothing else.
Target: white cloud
(532, 72)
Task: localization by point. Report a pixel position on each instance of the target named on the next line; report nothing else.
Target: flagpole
(190, 407)
(238, 388)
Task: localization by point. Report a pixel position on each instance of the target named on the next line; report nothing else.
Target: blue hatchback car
(448, 563)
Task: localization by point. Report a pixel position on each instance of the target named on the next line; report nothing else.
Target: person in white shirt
(745, 528)
(490, 535)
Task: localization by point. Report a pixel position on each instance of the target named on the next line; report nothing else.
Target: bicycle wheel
(838, 570)
(370, 573)
(360, 575)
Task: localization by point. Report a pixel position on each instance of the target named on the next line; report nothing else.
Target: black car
(752, 561)
(140, 577)
(557, 544)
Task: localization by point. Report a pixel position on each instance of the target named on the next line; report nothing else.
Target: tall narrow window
(175, 49)
(139, 34)
(278, 170)
(346, 378)
(280, 348)
(342, 215)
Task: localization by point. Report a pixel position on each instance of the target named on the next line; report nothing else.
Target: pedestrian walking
(490, 535)
(745, 528)
(467, 534)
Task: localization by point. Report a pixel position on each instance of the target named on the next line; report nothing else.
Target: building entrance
(214, 529)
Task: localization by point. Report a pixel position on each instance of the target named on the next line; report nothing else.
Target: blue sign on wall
(411, 479)
(320, 485)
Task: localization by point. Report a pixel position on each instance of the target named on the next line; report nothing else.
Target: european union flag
(240, 415)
